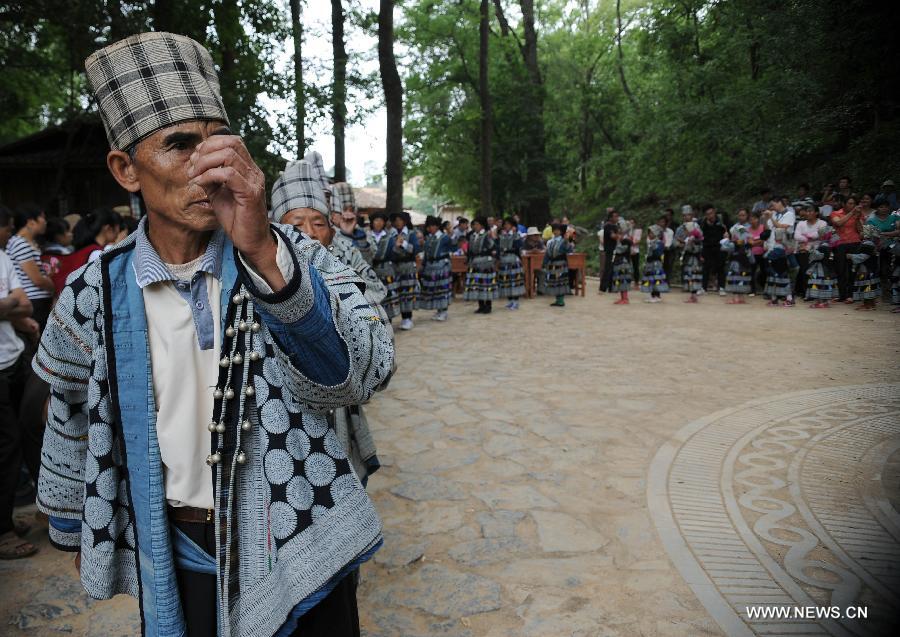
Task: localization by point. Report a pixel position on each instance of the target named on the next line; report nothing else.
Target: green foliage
(43, 44)
(443, 113)
(728, 96)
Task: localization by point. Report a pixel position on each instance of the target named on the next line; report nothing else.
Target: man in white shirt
(14, 373)
(187, 456)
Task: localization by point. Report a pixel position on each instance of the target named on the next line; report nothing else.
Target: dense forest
(538, 106)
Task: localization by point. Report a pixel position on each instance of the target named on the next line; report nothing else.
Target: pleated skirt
(481, 280)
(436, 285)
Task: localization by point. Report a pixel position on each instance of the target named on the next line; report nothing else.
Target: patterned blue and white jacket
(293, 516)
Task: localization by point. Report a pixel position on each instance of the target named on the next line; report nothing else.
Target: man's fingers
(211, 180)
(203, 161)
(219, 142)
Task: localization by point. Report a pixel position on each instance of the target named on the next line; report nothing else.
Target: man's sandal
(12, 548)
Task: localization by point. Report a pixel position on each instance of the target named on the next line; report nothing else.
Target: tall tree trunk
(621, 56)
(487, 115)
(227, 19)
(539, 201)
(339, 93)
(299, 98)
(393, 98)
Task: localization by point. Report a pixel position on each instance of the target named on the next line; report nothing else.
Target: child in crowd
(757, 248)
(511, 277)
(623, 271)
(866, 282)
(653, 279)
(690, 239)
(381, 238)
(556, 266)
(402, 251)
(778, 281)
(436, 275)
(481, 279)
(821, 284)
(739, 272)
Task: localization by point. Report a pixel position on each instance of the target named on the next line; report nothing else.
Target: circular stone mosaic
(788, 503)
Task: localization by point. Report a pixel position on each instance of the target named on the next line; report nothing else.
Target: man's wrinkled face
(311, 222)
(160, 171)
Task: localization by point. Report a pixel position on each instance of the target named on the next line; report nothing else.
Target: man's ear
(122, 168)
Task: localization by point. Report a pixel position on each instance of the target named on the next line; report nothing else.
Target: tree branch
(505, 29)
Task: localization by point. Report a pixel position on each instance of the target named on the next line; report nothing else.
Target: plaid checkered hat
(342, 196)
(152, 80)
(297, 187)
(315, 160)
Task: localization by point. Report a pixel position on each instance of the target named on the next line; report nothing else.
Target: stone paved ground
(517, 449)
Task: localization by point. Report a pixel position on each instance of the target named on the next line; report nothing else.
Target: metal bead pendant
(220, 428)
(211, 427)
(254, 356)
(213, 458)
(229, 332)
(218, 393)
(255, 327)
(242, 326)
(249, 391)
(223, 362)
(245, 425)
(237, 299)
(241, 457)
(229, 393)
(237, 359)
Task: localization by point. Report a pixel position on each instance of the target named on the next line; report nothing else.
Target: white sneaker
(721, 291)
(406, 324)
(440, 316)
(701, 292)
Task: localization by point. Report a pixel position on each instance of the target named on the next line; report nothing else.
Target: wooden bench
(459, 266)
(532, 262)
(576, 262)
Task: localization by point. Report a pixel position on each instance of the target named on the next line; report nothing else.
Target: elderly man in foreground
(188, 456)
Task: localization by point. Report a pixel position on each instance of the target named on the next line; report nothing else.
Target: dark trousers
(843, 270)
(713, 266)
(335, 616)
(758, 274)
(670, 255)
(885, 270)
(606, 280)
(601, 269)
(802, 277)
(636, 266)
(13, 381)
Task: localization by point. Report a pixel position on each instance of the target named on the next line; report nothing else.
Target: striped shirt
(20, 251)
